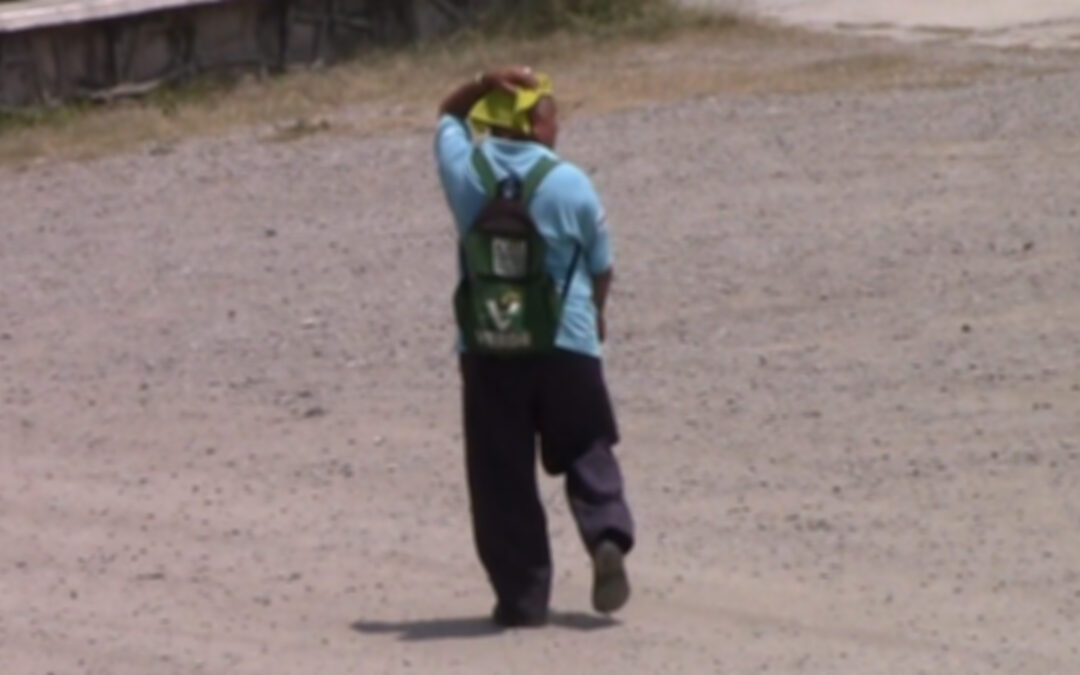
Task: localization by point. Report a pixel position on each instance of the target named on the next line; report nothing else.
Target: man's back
(565, 209)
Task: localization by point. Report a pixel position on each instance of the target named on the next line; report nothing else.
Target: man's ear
(543, 118)
(544, 110)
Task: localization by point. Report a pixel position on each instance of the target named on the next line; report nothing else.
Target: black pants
(562, 398)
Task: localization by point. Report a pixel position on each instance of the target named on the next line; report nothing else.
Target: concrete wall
(48, 56)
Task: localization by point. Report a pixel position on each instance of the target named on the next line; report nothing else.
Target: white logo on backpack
(504, 310)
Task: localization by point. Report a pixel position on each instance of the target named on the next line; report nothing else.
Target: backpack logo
(504, 309)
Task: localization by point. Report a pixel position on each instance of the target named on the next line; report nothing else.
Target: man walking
(536, 265)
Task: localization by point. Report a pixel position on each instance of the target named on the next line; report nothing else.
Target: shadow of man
(450, 628)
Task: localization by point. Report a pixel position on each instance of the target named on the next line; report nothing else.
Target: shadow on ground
(473, 627)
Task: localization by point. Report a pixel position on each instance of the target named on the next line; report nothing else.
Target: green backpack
(506, 302)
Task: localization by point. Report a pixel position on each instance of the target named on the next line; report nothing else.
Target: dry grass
(698, 55)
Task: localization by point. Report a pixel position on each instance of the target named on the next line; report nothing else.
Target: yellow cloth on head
(510, 110)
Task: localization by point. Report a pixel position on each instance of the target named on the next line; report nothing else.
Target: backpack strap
(570, 273)
(484, 170)
(536, 176)
(533, 180)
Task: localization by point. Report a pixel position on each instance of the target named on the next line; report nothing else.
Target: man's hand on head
(510, 79)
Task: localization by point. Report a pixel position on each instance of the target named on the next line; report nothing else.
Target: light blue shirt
(565, 208)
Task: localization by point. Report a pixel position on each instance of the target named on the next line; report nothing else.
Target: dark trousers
(561, 398)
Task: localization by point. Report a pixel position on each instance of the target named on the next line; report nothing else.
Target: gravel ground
(845, 350)
(1037, 23)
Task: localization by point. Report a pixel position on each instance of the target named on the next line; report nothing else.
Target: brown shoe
(611, 586)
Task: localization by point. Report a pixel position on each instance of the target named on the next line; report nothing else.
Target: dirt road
(845, 349)
(1039, 23)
